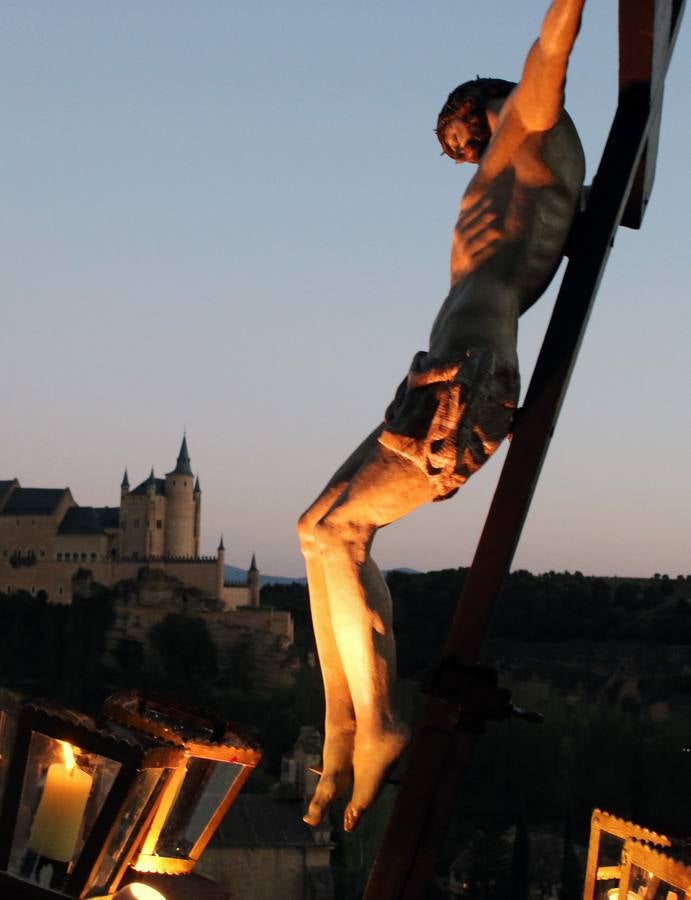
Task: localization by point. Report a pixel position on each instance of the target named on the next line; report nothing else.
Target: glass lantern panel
(646, 885)
(204, 789)
(608, 864)
(145, 790)
(8, 729)
(63, 791)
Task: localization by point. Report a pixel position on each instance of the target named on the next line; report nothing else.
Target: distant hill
(234, 573)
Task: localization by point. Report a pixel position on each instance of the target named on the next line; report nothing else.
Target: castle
(46, 538)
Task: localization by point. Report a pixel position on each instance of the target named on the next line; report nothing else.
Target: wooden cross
(444, 741)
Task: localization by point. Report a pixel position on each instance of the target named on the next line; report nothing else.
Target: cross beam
(442, 744)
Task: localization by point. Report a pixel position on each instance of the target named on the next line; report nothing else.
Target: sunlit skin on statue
(457, 403)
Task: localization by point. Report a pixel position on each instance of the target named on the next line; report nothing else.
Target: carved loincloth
(449, 417)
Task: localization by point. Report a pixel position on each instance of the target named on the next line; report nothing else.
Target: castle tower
(253, 582)
(180, 507)
(197, 515)
(154, 518)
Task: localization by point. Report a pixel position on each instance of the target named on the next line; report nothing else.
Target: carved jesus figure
(457, 402)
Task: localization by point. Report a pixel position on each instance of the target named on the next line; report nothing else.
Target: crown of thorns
(467, 102)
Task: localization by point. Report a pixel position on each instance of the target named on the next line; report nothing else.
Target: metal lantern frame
(203, 736)
(133, 758)
(660, 868)
(602, 822)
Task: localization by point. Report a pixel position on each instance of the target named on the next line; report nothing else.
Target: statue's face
(467, 140)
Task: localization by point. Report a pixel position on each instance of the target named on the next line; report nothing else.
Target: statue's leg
(386, 487)
(339, 723)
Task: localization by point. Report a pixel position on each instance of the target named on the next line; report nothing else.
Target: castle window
(41, 552)
(83, 556)
(136, 523)
(159, 523)
(93, 556)
(135, 555)
(75, 557)
(60, 590)
(59, 557)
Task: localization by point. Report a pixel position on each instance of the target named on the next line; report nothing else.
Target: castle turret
(197, 515)
(180, 507)
(253, 582)
(221, 560)
(122, 522)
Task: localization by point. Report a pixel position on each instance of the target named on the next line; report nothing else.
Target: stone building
(46, 538)
(263, 849)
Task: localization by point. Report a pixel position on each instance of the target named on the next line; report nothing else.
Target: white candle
(58, 819)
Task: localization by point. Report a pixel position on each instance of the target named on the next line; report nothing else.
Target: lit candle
(58, 819)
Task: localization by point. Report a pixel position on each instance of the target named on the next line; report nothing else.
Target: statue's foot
(374, 758)
(335, 779)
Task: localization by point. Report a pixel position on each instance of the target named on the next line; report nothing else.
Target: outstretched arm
(539, 97)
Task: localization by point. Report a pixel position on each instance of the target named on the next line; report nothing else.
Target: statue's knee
(307, 529)
(327, 534)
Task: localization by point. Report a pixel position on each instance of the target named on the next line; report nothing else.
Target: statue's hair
(468, 102)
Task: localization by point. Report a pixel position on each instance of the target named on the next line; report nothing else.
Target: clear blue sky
(234, 217)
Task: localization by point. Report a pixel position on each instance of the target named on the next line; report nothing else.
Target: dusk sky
(233, 218)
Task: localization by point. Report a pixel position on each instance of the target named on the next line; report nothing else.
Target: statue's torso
(509, 239)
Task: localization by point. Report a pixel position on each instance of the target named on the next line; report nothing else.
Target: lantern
(608, 835)
(218, 762)
(76, 801)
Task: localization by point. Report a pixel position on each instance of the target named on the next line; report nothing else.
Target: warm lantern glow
(613, 894)
(138, 891)
(144, 892)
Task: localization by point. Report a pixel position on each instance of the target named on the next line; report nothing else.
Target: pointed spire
(253, 564)
(221, 545)
(183, 464)
(197, 488)
(125, 483)
(152, 477)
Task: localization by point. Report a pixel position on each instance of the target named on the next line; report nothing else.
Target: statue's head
(462, 127)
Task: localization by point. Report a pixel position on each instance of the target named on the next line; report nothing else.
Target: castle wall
(55, 578)
(30, 532)
(277, 622)
(254, 872)
(234, 595)
(81, 548)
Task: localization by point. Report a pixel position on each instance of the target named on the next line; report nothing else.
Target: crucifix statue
(457, 402)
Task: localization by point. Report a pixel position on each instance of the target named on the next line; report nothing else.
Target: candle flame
(68, 755)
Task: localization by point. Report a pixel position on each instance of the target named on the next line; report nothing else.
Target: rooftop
(33, 501)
